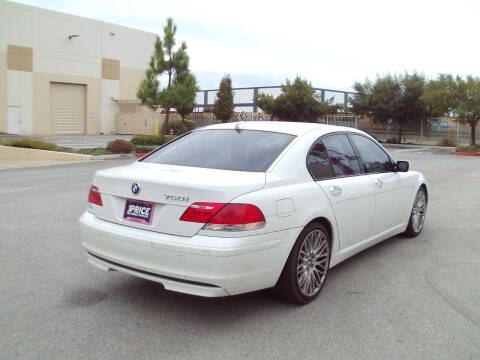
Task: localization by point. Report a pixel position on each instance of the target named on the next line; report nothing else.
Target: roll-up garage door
(67, 108)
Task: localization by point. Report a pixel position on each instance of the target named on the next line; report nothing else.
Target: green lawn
(34, 144)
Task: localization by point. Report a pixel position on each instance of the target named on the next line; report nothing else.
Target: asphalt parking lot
(405, 298)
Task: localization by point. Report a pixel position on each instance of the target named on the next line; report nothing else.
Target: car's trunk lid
(172, 189)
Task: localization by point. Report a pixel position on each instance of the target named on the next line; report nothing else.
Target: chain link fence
(432, 131)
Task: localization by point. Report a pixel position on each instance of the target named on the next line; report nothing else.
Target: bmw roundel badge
(135, 188)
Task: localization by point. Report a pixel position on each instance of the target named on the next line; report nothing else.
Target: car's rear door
(335, 166)
(393, 189)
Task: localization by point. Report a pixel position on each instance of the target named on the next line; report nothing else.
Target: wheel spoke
(318, 256)
(318, 277)
(323, 247)
(301, 280)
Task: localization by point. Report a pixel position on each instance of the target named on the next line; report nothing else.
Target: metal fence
(243, 97)
(340, 120)
(207, 118)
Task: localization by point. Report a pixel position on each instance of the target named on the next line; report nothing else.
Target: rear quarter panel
(290, 198)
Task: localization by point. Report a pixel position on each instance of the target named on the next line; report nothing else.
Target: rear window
(239, 150)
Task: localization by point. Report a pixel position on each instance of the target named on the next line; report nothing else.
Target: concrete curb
(463, 153)
(17, 153)
(113, 156)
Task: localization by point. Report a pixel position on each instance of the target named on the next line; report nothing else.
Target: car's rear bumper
(199, 265)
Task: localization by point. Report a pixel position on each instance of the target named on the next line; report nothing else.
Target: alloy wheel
(418, 211)
(312, 263)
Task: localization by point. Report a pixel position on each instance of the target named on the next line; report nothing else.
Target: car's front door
(337, 170)
(393, 189)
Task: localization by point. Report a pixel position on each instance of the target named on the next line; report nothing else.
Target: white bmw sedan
(237, 207)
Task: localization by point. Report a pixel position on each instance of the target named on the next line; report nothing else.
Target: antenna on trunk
(238, 126)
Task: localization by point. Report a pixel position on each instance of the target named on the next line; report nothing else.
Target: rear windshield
(240, 150)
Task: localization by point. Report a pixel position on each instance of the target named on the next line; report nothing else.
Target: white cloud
(331, 43)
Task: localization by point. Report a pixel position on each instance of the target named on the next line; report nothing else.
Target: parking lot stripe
(453, 175)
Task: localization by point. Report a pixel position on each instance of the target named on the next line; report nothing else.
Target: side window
(317, 162)
(374, 158)
(342, 156)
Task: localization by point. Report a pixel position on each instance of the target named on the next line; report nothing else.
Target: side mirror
(402, 166)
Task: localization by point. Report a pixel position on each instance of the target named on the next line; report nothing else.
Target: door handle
(335, 190)
(378, 182)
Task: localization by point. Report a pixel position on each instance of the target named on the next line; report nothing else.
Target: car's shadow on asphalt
(150, 297)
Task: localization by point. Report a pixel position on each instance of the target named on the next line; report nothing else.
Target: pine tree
(184, 95)
(223, 106)
(181, 83)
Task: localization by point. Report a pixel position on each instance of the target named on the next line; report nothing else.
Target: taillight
(94, 196)
(225, 217)
(201, 212)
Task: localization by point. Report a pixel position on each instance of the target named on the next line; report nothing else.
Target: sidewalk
(418, 146)
(19, 164)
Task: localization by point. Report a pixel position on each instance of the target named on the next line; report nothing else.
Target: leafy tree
(174, 64)
(442, 94)
(223, 106)
(299, 101)
(448, 94)
(392, 98)
(469, 104)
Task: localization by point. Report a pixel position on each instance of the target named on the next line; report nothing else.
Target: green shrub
(145, 148)
(30, 144)
(120, 146)
(468, 148)
(7, 142)
(169, 137)
(392, 140)
(181, 127)
(447, 141)
(34, 144)
(148, 140)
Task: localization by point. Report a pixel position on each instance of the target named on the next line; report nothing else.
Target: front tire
(417, 216)
(306, 269)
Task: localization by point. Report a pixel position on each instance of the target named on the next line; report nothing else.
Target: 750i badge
(175, 197)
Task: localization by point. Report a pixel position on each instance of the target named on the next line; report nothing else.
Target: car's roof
(293, 128)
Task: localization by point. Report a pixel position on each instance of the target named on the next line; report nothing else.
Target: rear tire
(306, 269)
(417, 216)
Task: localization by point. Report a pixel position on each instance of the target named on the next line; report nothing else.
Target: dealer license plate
(139, 211)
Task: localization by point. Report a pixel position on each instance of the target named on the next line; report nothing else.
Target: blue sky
(331, 43)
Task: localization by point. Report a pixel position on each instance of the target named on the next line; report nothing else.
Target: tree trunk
(404, 127)
(472, 133)
(400, 126)
(165, 128)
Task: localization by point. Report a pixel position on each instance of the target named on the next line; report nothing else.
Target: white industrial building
(64, 74)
